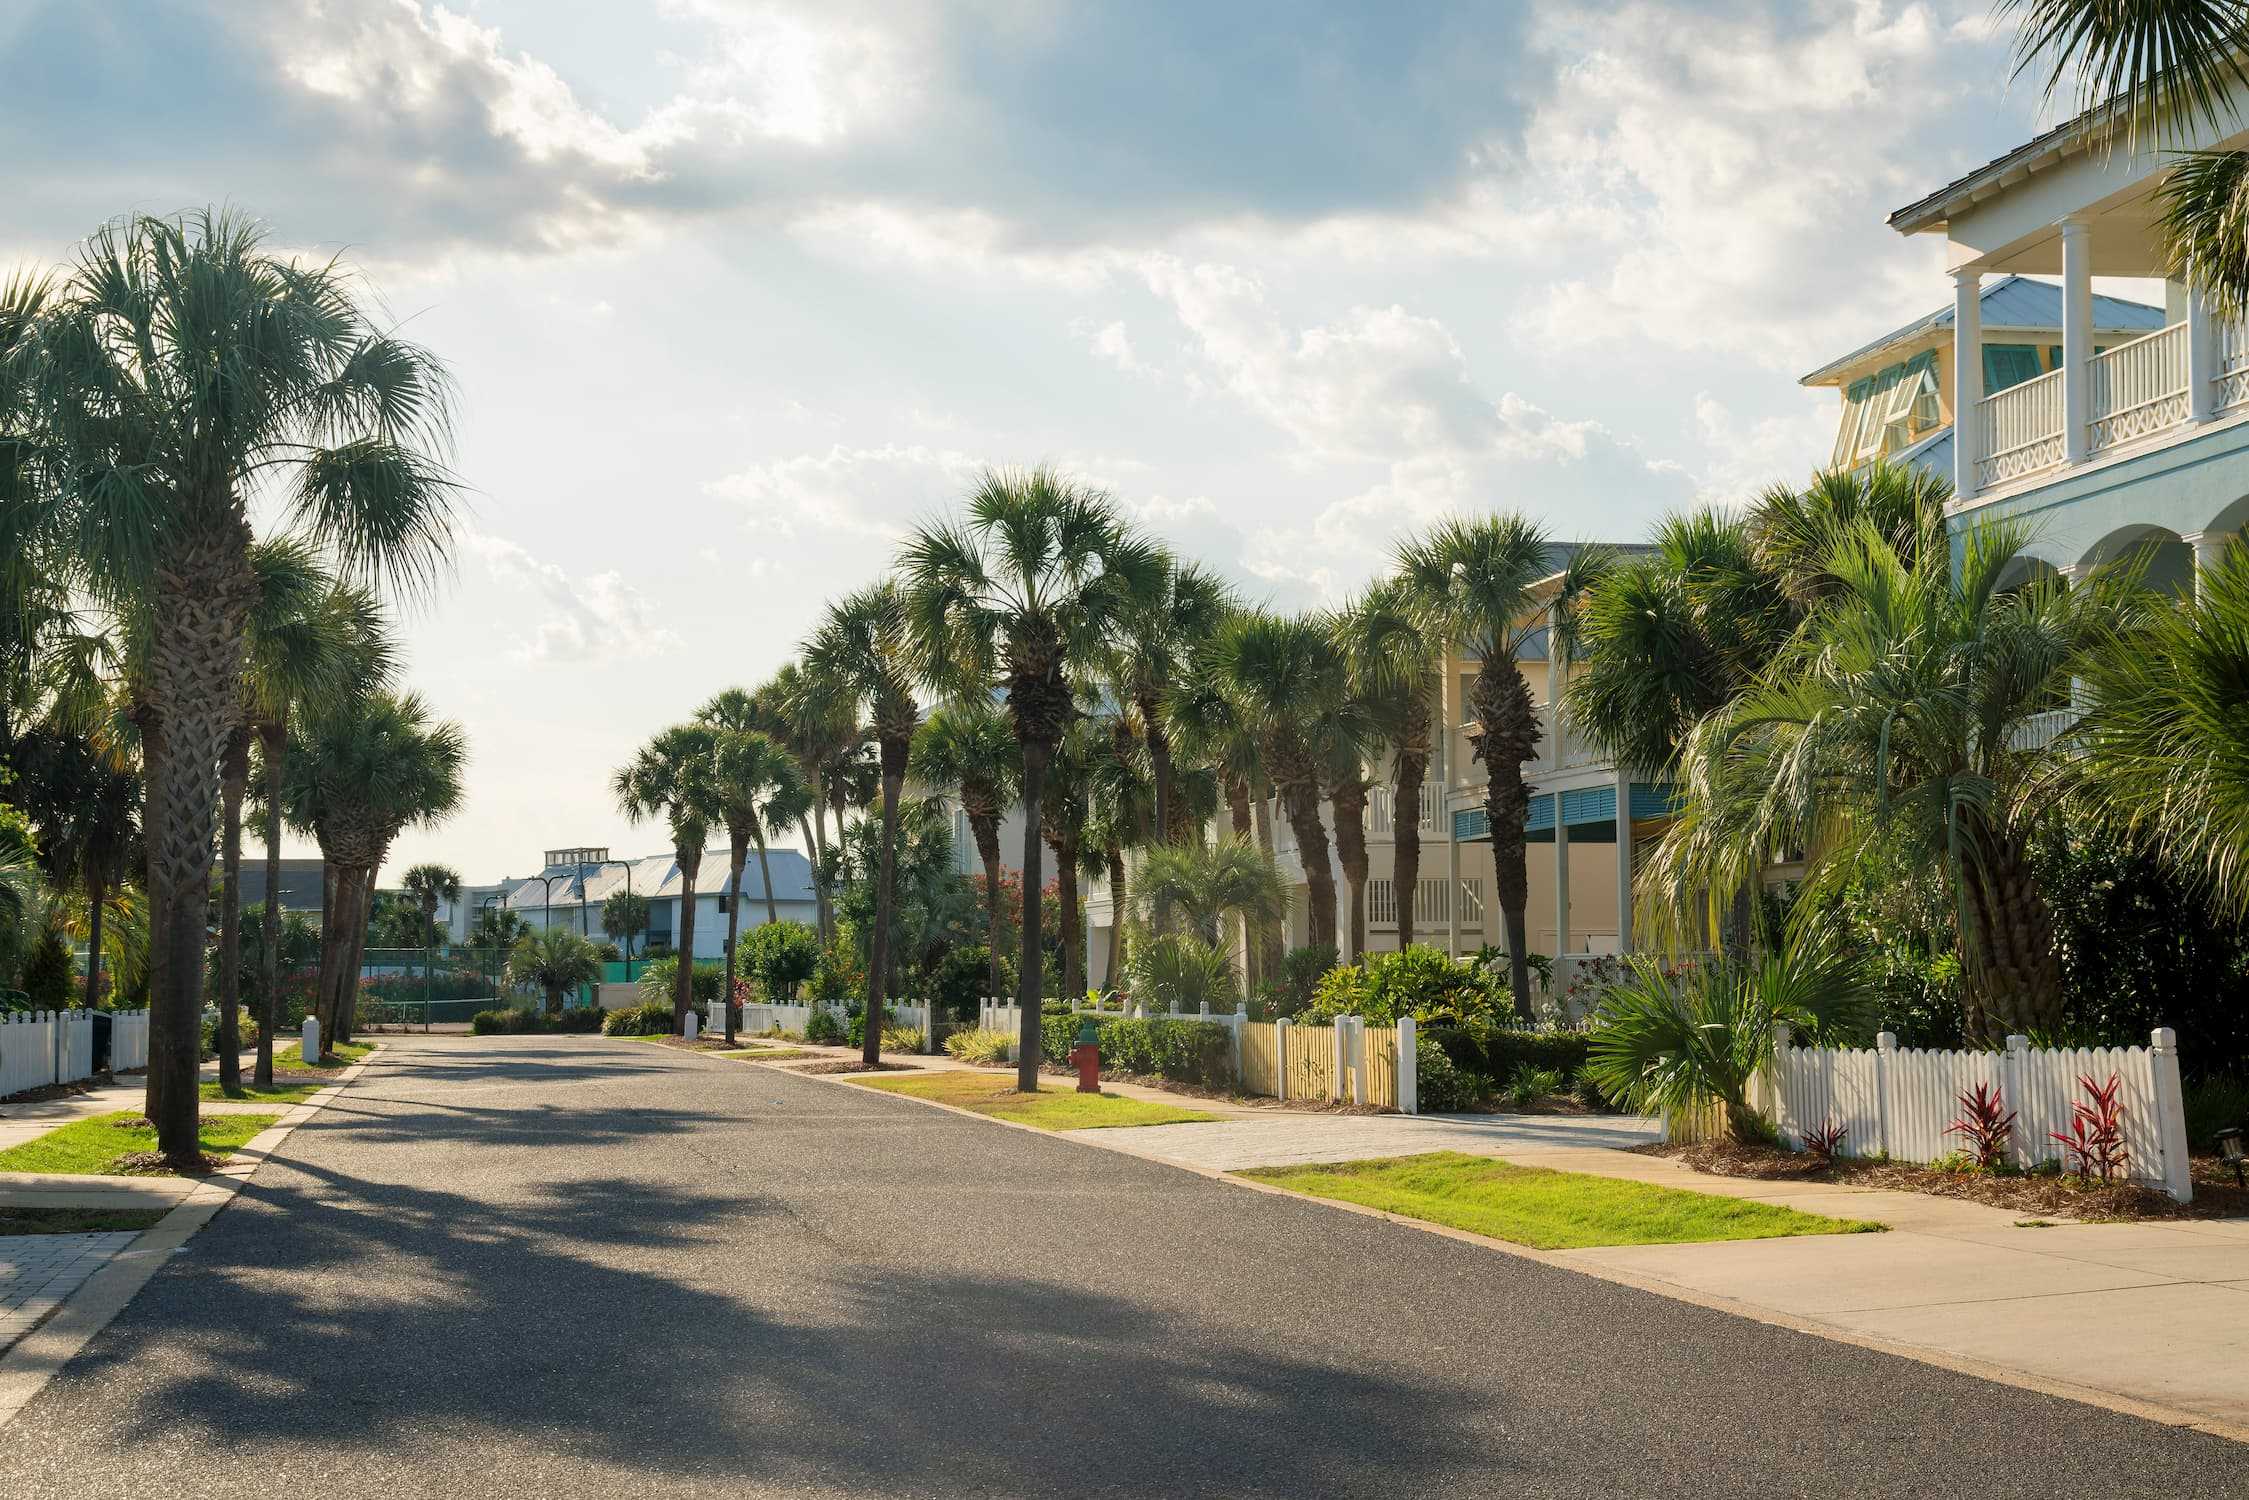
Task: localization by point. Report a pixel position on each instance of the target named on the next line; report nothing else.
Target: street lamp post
(627, 866)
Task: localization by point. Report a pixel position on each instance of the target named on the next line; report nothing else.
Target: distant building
(570, 887)
(300, 884)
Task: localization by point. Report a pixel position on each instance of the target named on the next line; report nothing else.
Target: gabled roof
(2009, 302)
(1936, 208)
(656, 876)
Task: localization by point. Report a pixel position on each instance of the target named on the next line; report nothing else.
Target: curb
(2148, 1411)
(39, 1355)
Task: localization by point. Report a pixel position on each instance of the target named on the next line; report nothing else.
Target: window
(1382, 903)
(1854, 417)
(2008, 364)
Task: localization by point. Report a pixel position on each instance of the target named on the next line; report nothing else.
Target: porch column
(1967, 379)
(2077, 339)
(1561, 881)
(1452, 892)
(2209, 547)
(2202, 358)
(1623, 860)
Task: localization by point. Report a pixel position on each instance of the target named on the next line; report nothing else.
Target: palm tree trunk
(737, 840)
(1027, 976)
(894, 752)
(1269, 938)
(1159, 762)
(339, 912)
(347, 1009)
(1116, 918)
(1303, 807)
(97, 895)
(985, 828)
(822, 913)
(273, 741)
(765, 873)
(1508, 737)
(2013, 973)
(683, 977)
(1350, 803)
(1411, 772)
(1067, 922)
(234, 778)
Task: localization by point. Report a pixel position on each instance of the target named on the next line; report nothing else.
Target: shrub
(782, 955)
(825, 1028)
(48, 972)
(838, 976)
(902, 1039)
(1290, 991)
(1527, 1085)
(979, 1045)
(960, 979)
(579, 1019)
(2212, 1105)
(1498, 1052)
(498, 1022)
(1985, 1123)
(652, 1018)
(655, 981)
(1441, 1087)
(2095, 1141)
(1182, 972)
(1825, 1139)
(1197, 1052)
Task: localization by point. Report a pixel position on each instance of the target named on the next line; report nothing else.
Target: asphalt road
(577, 1267)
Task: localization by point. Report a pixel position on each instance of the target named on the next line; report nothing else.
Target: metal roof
(2009, 302)
(656, 876)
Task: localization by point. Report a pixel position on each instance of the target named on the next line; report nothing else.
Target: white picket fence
(1902, 1101)
(41, 1047)
(760, 1018)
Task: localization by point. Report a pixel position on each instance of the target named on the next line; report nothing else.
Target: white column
(2209, 547)
(2077, 337)
(1409, 1077)
(1967, 379)
(1452, 892)
(1623, 860)
(2170, 1113)
(1561, 886)
(2202, 358)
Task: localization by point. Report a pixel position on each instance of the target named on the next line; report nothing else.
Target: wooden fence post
(2170, 1113)
(1280, 1058)
(1885, 1049)
(2014, 1081)
(1409, 1077)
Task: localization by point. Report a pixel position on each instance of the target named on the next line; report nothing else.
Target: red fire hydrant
(1086, 1058)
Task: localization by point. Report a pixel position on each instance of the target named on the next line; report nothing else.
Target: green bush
(824, 1027)
(580, 1019)
(960, 979)
(499, 1022)
(655, 981)
(1502, 1052)
(2212, 1105)
(1290, 991)
(651, 1018)
(838, 976)
(49, 977)
(979, 1045)
(782, 955)
(907, 1039)
(1527, 1085)
(1197, 1052)
(1440, 1087)
(1432, 987)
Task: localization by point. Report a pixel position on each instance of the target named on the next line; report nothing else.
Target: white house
(573, 883)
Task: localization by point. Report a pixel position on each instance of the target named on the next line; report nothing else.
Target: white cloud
(864, 492)
(595, 618)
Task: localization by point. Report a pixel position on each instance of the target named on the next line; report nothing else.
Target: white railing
(1430, 910)
(1382, 803)
(2233, 366)
(2019, 431)
(2138, 388)
(1903, 1102)
(1574, 752)
(2040, 730)
(1471, 902)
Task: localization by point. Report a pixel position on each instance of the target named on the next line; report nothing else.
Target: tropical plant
(1673, 1042)
(362, 775)
(624, 917)
(782, 955)
(430, 886)
(757, 788)
(1179, 971)
(1028, 591)
(1896, 717)
(1477, 584)
(1393, 667)
(1985, 1123)
(2095, 1139)
(179, 369)
(970, 748)
(1209, 883)
(670, 778)
(1209, 728)
(860, 658)
(553, 960)
(825, 737)
(1160, 633)
(497, 927)
(1824, 1141)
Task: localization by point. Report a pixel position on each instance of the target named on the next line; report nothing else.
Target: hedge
(1498, 1053)
(519, 1022)
(1197, 1052)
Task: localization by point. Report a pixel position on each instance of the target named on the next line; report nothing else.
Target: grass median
(78, 1220)
(288, 1055)
(1544, 1209)
(97, 1146)
(1060, 1108)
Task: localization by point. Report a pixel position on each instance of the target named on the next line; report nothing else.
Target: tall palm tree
(1065, 805)
(2157, 69)
(177, 369)
(749, 770)
(1393, 666)
(1210, 882)
(825, 737)
(1285, 678)
(862, 655)
(1895, 717)
(364, 773)
(969, 747)
(1475, 584)
(670, 778)
(431, 885)
(1157, 643)
(1028, 591)
(1209, 729)
(1120, 817)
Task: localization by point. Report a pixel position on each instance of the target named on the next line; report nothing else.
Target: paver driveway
(577, 1267)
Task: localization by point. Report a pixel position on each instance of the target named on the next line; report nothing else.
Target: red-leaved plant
(1826, 1138)
(1985, 1121)
(2095, 1140)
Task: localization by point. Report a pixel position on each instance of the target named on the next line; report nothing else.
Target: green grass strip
(1058, 1107)
(280, 1093)
(77, 1220)
(92, 1147)
(287, 1056)
(1545, 1209)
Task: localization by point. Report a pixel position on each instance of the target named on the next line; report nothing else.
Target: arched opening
(2026, 570)
(2165, 562)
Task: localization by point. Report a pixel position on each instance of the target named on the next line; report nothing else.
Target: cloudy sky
(736, 290)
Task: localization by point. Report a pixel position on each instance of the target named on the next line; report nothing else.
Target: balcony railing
(1382, 809)
(2020, 430)
(2138, 388)
(1431, 910)
(1575, 752)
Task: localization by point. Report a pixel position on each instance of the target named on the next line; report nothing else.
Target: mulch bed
(157, 1164)
(848, 1065)
(2035, 1195)
(51, 1091)
(704, 1043)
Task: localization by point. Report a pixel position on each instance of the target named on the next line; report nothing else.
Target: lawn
(77, 1220)
(283, 1091)
(1544, 1209)
(335, 1057)
(771, 1054)
(1050, 1109)
(92, 1147)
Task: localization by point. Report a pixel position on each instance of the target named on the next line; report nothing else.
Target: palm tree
(2166, 734)
(431, 885)
(363, 774)
(624, 916)
(825, 737)
(861, 655)
(176, 370)
(1286, 680)
(553, 959)
(670, 778)
(1895, 719)
(2158, 69)
(1209, 729)
(1065, 806)
(1393, 669)
(753, 778)
(1121, 816)
(969, 748)
(1159, 636)
(1475, 585)
(1028, 592)
(1210, 882)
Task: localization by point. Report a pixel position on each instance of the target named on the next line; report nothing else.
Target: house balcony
(1382, 810)
(1559, 750)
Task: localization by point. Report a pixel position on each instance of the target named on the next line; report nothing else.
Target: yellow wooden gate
(1261, 1071)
